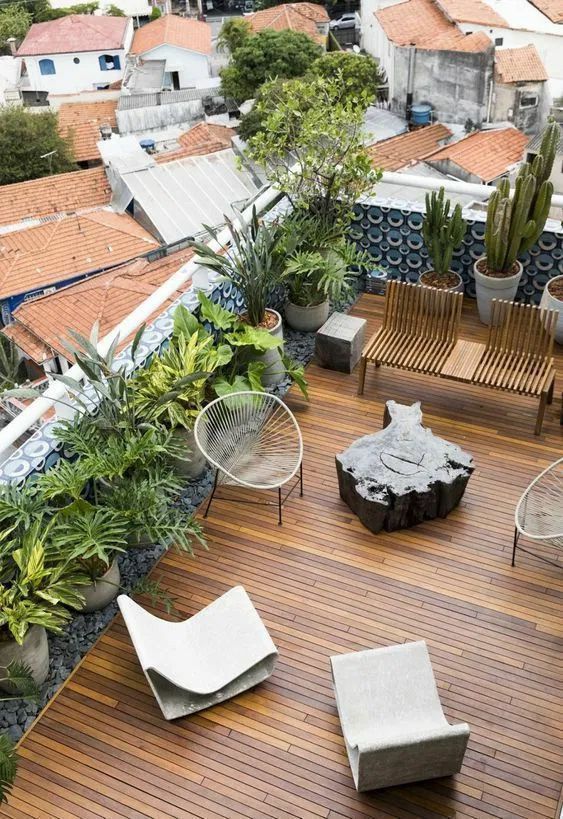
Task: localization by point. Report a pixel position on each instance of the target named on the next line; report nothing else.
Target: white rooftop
(521, 14)
(380, 124)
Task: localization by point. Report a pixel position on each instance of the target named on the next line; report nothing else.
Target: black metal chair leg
(279, 506)
(212, 493)
(516, 536)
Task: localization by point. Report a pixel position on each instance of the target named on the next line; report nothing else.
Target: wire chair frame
(539, 512)
(253, 440)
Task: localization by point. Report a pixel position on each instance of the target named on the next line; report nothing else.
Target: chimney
(12, 43)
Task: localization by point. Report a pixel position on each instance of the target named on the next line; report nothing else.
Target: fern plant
(17, 677)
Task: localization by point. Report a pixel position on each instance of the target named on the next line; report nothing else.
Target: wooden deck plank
(323, 584)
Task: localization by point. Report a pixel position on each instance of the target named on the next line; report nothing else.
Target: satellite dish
(356, 49)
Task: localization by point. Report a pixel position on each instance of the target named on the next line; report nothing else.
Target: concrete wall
(507, 107)
(139, 120)
(448, 167)
(190, 65)
(375, 42)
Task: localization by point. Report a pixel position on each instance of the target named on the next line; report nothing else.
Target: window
(499, 41)
(109, 62)
(528, 101)
(47, 67)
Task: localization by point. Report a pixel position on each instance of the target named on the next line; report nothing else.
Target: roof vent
(105, 131)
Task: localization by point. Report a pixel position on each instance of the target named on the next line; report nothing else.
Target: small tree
(359, 73)
(155, 13)
(14, 22)
(115, 11)
(264, 56)
(312, 146)
(25, 138)
(234, 33)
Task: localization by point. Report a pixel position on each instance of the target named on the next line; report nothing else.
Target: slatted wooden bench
(517, 356)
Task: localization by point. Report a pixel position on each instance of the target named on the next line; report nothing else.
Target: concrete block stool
(339, 342)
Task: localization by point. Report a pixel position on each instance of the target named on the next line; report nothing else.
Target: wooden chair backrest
(521, 328)
(422, 312)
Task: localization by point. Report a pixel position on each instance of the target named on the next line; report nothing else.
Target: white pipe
(57, 391)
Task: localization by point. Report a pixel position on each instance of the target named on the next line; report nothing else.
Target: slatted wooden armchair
(419, 331)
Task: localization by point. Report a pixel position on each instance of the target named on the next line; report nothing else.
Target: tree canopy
(311, 144)
(264, 56)
(359, 73)
(234, 33)
(15, 21)
(24, 138)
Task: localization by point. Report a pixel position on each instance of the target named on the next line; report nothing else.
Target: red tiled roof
(421, 23)
(553, 9)
(80, 122)
(61, 193)
(75, 33)
(42, 255)
(472, 11)
(301, 17)
(182, 32)
(41, 326)
(486, 154)
(400, 151)
(520, 65)
(204, 138)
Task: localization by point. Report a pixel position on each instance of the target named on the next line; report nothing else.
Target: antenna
(49, 156)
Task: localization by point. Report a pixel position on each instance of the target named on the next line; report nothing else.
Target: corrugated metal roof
(535, 143)
(128, 102)
(180, 197)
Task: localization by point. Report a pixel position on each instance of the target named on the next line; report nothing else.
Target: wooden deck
(323, 585)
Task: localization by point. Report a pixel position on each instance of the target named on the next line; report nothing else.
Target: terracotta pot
(274, 372)
(102, 591)
(306, 319)
(457, 288)
(34, 653)
(491, 287)
(549, 302)
(196, 464)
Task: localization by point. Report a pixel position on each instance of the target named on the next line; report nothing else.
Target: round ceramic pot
(34, 653)
(274, 372)
(102, 591)
(457, 288)
(196, 463)
(491, 287)
(549, 302)
(306, 319)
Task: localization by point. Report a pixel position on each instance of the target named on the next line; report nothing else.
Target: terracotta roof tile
(301, 17)
(204, 138)
(75, 33)
(472, 11)
(28, 343)
(182, 32)
(519, 65)
(43, 324)
(553, 9)
(422, 23)
(400, 151)
(61, 193)
(80, 122)
(42, 255)
(486, 154)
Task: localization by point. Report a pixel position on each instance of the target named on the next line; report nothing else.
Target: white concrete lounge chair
(393, 724)
(219, 652)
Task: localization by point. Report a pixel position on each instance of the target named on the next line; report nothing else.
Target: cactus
(442, 234)
(515, 225)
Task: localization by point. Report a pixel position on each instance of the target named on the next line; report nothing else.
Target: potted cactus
(514, 226)
(442, 235)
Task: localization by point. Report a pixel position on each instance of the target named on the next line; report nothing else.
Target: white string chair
(253, 440)
(539, 513)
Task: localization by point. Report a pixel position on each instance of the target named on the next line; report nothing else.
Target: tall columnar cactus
(515, 225)
(442, 234)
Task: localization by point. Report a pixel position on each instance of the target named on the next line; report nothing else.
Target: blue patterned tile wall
(393, 238)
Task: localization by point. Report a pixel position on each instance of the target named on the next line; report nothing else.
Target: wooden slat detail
(324, 584)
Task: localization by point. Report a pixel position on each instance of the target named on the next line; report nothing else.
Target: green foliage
(20, 680)
(312, 146)
(11, 368)
(45, 12)
(442, 233)
(155, 13)
(19, 509)
(8, 766)
(15, 21)
(24, 137)
(90, 536)
(359, 73)
(115, 11)
(157, 595)
(234, 33)
(265, 56)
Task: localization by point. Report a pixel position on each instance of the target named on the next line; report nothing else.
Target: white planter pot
(274, 372)
(458, 288)
(306, 319)
(102, 591)
(193, 467)
(549, 302)
(490, 287)
(34, 653)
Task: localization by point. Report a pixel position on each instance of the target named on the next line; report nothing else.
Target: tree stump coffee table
(403, 474)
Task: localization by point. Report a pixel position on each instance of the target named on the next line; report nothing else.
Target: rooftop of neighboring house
(54, 251)
(406, 149)
(58, 194)
(477, 12)
(485, 154)
(530, 15)
(81, 121)
(172, 30)
(41, 326)
(75, 33)
(422, 23)
(301, 17)
(535, 142)
(203, 138)
(553, 9)
(519, 65)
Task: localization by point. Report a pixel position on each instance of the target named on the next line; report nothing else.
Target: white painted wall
(190, 65)
(374, 40)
